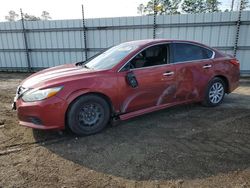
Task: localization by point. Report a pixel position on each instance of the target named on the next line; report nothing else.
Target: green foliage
(212, 5)
(173, 6)
(45, 15)
(193, 6)
(13, 16)
(29, 17)
(245, 4)
(160, 7)
(141, 9)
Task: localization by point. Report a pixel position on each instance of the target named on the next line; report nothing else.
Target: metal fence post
(237, 29)
(84, 34)
(232, 6)
(154, 24)
(25, 42)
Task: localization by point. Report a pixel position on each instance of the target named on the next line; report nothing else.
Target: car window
(152, 56)
(189, 52)
(110, 57)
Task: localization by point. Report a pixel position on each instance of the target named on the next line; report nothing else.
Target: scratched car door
(155, 78)
(193, 65)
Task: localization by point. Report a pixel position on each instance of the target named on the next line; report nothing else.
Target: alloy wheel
(216, 92)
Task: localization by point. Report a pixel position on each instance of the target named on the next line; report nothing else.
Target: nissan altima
(125, 81)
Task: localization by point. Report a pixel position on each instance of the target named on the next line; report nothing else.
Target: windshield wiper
(85, 66)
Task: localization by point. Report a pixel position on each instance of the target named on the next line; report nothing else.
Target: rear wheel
(87, 115)
(215, 92)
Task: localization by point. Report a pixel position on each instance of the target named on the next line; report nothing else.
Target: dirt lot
(184, 146)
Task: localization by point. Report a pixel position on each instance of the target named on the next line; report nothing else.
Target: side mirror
(131, 79)
(80, 63)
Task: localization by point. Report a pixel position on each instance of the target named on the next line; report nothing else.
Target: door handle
(207, 66)
(168, 73)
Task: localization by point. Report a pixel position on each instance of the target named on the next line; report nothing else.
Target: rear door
(194, 69)
(155, 78)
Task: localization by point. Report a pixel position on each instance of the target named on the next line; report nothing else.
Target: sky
(65, 9)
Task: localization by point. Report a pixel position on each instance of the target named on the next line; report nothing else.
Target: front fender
(76, 94)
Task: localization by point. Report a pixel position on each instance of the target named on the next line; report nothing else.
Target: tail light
(235, 62)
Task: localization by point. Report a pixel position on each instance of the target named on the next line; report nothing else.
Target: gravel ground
(183, 146)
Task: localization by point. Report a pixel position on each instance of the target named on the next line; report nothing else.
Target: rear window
(189, 52)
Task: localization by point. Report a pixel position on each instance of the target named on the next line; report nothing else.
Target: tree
(193, 6)
(212, 5)
(175, 6)
(29, 17)
(160, 7)
(13, 16)
(245, 4)
(141, 9)
(45, 16)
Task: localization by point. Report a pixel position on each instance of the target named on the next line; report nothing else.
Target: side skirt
(150, 109)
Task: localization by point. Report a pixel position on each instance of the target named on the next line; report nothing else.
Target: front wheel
(215, 92)
(87, 115)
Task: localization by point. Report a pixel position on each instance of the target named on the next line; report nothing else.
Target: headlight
(37, 95)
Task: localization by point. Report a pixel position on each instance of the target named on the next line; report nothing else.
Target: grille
(35, 120)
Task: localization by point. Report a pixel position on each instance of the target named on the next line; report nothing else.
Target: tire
(87, 115)
(215, 92)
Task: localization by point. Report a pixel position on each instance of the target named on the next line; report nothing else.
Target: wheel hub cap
(216, 92)
(90, 114)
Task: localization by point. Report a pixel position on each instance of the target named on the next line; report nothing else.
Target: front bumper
(45, 114)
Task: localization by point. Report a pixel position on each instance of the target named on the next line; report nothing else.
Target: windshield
(110, 57)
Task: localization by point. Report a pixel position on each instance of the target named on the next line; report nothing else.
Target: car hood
(55, 75)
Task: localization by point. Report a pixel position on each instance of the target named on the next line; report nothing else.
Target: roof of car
(152, 41)
(146, 42)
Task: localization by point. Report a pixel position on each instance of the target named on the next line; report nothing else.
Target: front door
(155, 78)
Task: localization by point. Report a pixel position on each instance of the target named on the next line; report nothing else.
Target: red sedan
(125, 81)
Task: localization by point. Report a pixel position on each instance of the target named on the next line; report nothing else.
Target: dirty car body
(132, 79)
